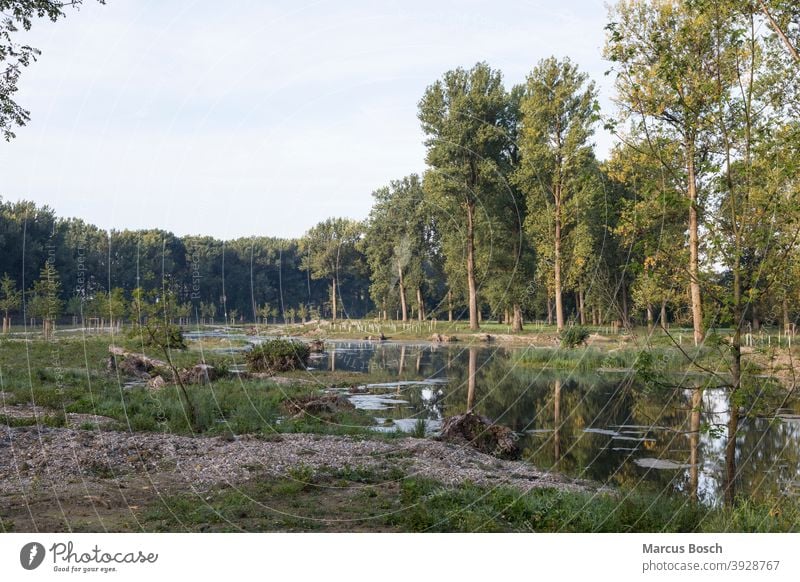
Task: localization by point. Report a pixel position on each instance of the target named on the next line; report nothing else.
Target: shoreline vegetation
(275, 451)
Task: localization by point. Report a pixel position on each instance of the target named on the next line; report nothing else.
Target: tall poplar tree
(665, 59)
(559, 109)
(462, 116)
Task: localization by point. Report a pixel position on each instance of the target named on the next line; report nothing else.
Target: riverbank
(90, 449)
(79, 480)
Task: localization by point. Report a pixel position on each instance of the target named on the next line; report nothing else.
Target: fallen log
(482, 434)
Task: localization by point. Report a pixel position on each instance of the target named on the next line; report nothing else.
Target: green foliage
(419, 429)
(558, 110)
(463, 116)
(573, 336)
(330, 251)
(277, 356)
(10, 297)
(19, 15)
(747, 516)
(45, 302)
(469, 508)
(398, 243)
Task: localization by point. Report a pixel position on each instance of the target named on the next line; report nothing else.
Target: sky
(260, 117)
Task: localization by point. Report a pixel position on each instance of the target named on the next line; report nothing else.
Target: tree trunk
(473, 289)
(557, 263)
(626, 321)
(333, 299)
(517, 322)
(649, 317)
(581, 307)
(664, 322)
(694, 266)
(787, 323)
(403, 307)
(420, 305)
(449, 305)
(780, 32)
(549, 311)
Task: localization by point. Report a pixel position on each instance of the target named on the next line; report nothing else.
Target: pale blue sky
(258, 117)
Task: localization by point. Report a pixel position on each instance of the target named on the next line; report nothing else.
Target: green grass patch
(365, 499)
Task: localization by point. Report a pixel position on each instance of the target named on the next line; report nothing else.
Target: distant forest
(246, 278)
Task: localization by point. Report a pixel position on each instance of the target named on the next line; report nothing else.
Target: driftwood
(317, 404)
(157, 372)
(132, 364)
(200, 374)
(316, 346)
(443, 339)
(481, 433)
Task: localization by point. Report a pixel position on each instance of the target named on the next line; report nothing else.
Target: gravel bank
(36, 457)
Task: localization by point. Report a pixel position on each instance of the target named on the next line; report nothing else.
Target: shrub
(574, 336)
(277, 356)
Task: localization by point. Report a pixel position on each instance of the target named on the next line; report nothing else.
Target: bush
(574, 336)
(277, 356)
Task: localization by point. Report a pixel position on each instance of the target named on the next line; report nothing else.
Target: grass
(343, 499)
(592, 359)
(227, 406)
(362, 499)
(340, 500)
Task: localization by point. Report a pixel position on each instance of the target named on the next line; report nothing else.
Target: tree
(329, 252)
(755, 220)
(559, 109)
(462, 116)
(511, 260)
(15, 57)
(10, 299)
(780, 15)
(665, 58)
(651, 224)
(153, 327)
(97, 308)
(396, 242)
(263, 313)
(45, 302)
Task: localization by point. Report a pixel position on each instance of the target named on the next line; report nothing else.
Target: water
(603, 427)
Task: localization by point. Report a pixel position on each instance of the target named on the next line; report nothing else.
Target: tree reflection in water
(595, 426)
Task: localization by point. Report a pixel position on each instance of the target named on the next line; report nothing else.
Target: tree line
(693, 218)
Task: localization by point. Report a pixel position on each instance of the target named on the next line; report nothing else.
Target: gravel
(55, 457)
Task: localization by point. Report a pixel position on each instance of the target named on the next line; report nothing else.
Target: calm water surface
(602, 427)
